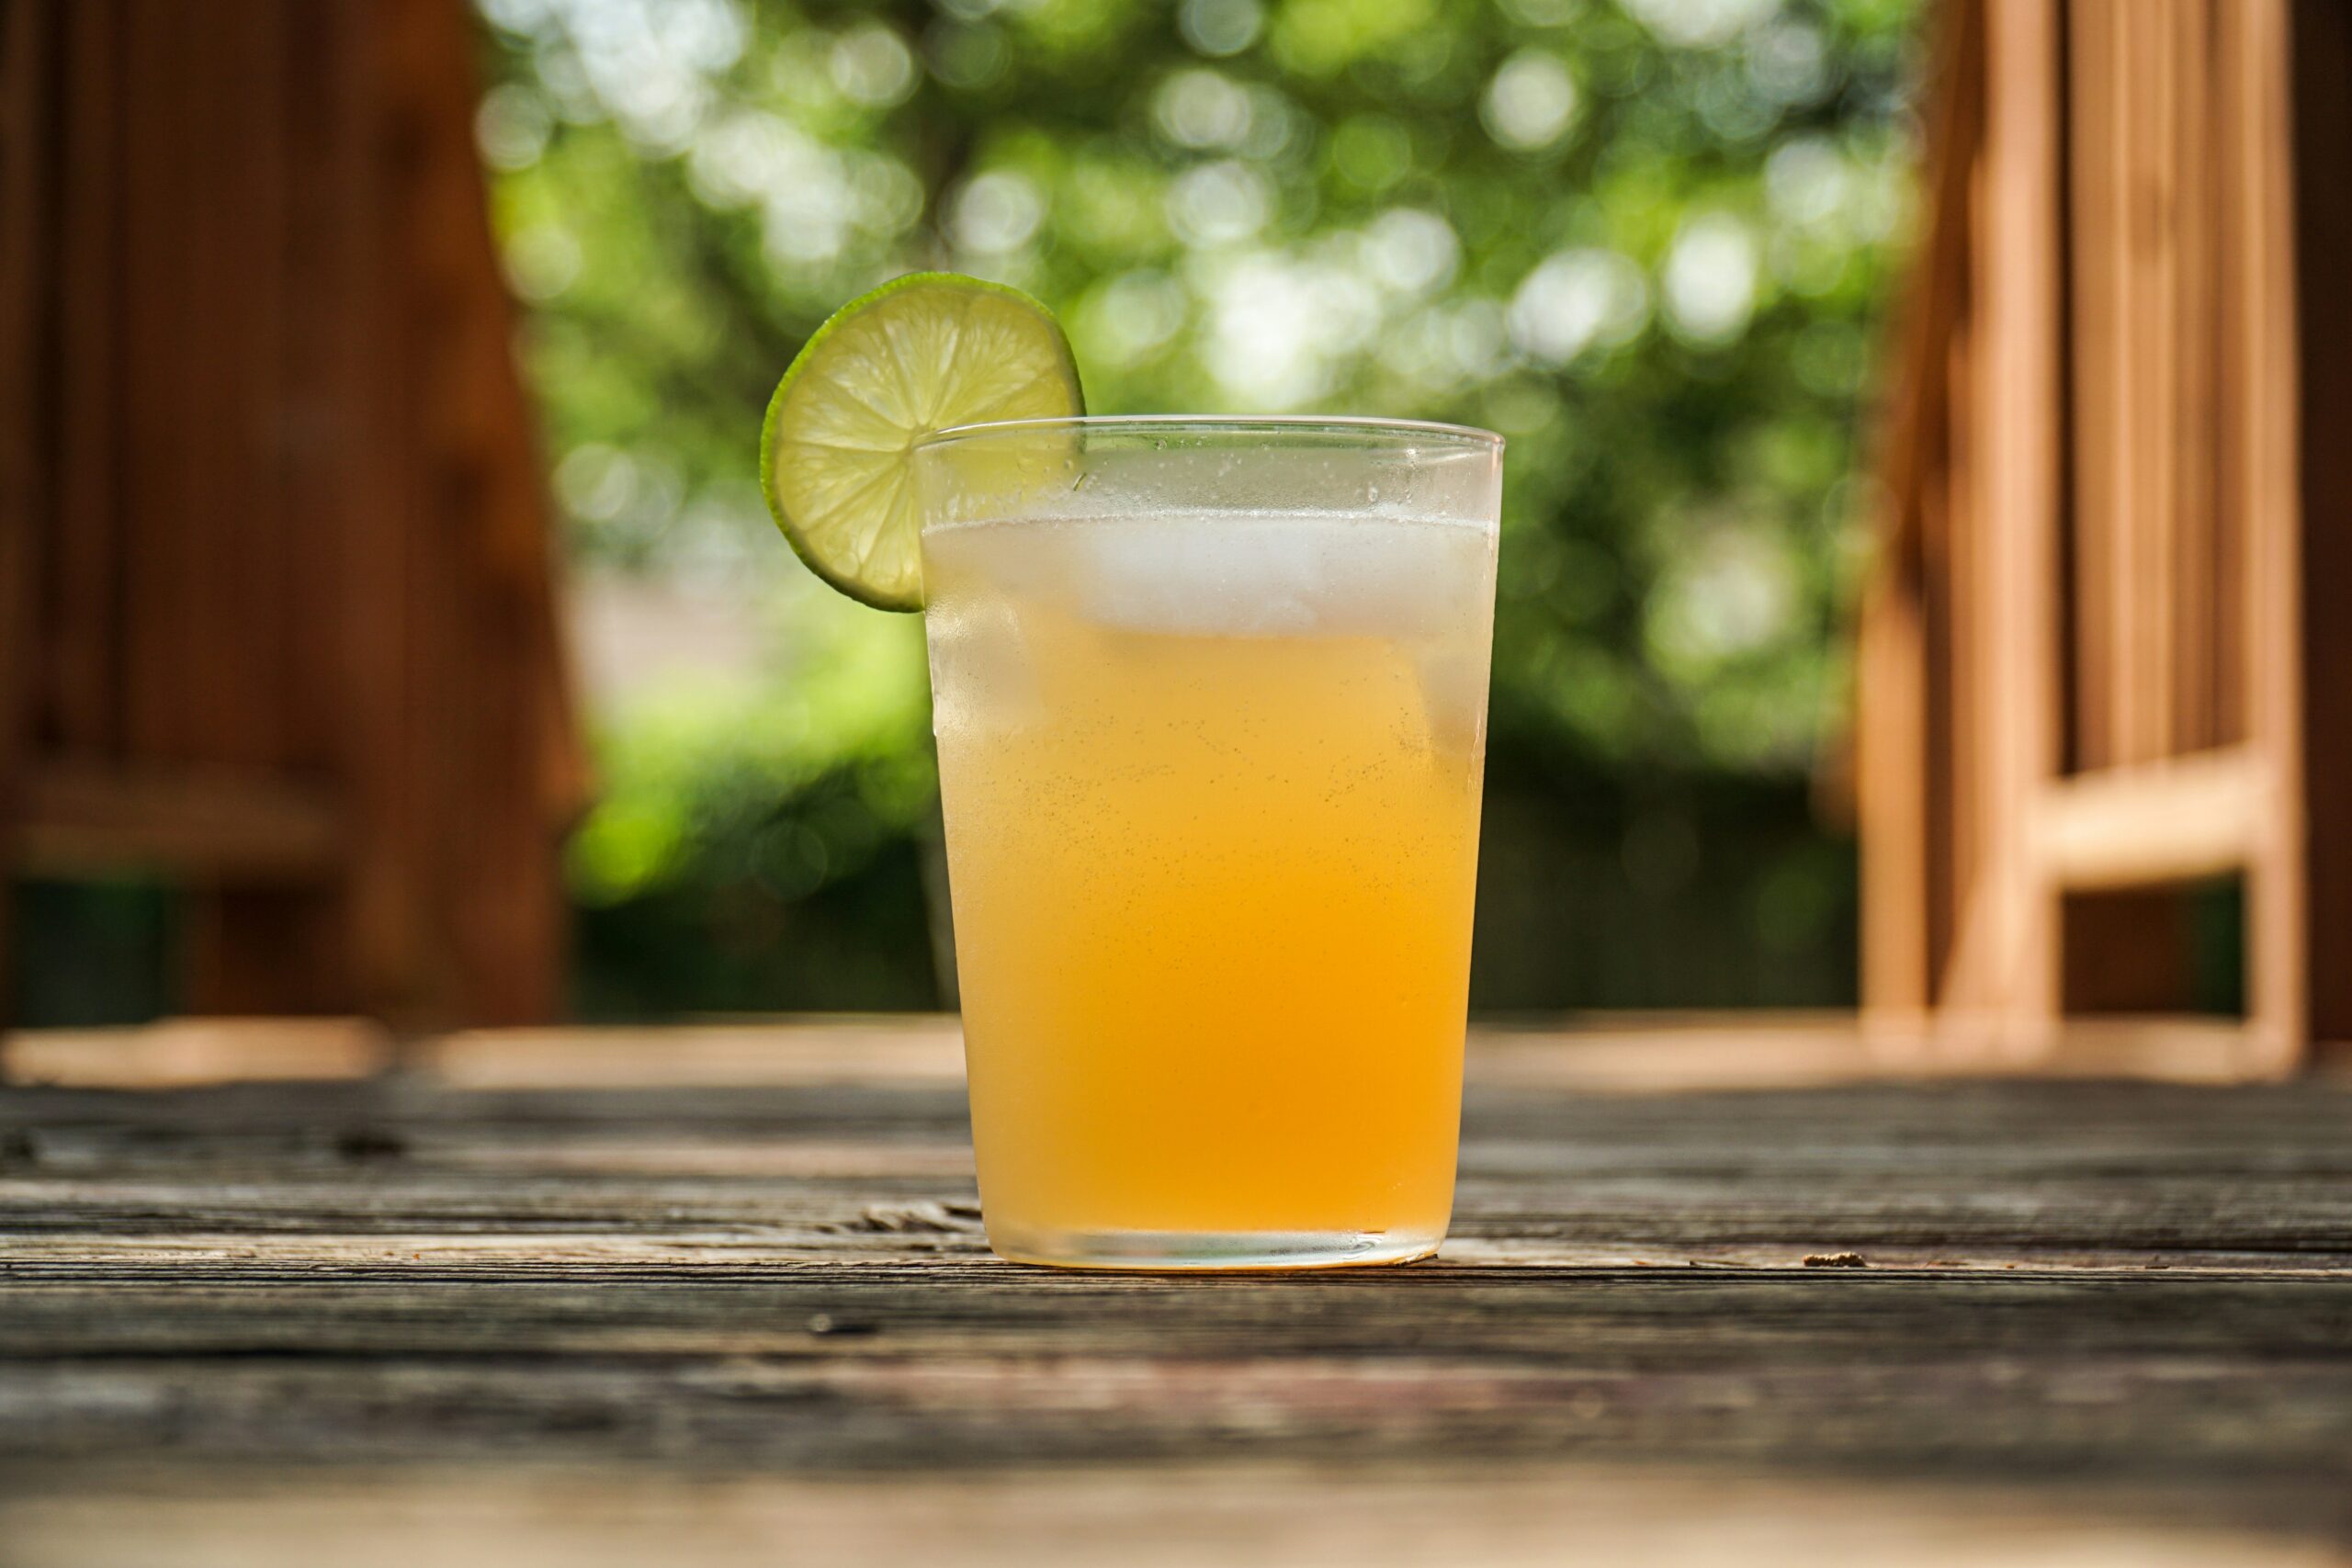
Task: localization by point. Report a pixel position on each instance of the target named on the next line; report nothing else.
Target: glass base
(1206, 1251)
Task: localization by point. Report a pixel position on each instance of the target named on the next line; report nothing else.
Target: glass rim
(1424, 430)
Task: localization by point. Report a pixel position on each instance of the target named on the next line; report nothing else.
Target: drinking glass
(1210, 697)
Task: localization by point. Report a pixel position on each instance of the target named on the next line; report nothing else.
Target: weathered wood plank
(1493, 1515)
(263, 1218)
(1611, 1052)
(1640, 1372)
(2141, 1290)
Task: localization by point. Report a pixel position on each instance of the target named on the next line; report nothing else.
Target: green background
(1650, 241)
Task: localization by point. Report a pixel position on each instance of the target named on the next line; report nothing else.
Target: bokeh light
(1649, 240)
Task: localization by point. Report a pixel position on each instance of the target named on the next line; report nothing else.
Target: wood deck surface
(724, 1295)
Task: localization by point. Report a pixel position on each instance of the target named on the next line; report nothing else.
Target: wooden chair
(275, 591)
(2104, 654)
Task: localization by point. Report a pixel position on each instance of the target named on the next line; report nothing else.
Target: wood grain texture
(2111, 586)
(1902, 657)
(2321, 656)
(27, 31)
(207, 820)
(85, 569)
(1159, 1517)
(478, 1268)
(270, 504)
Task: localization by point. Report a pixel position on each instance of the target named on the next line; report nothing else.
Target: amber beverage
(1210, 698)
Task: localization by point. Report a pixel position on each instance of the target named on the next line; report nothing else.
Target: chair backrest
(2101, 658)
(277, 607)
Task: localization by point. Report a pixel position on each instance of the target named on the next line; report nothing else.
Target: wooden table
(722, 1295)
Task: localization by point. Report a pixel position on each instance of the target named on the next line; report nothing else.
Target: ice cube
(1275, 576)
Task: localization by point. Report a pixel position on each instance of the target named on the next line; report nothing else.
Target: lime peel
(923, 352)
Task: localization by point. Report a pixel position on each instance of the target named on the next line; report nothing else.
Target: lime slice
(920, 354)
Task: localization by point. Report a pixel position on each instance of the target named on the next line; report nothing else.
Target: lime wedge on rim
(923, 353)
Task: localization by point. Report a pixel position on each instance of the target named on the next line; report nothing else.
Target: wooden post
(26, 38)
(2003, 984)
(83, 690)
(2312, 688)
(1901, 679)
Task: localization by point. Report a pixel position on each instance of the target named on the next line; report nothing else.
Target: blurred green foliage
(1647, 240)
